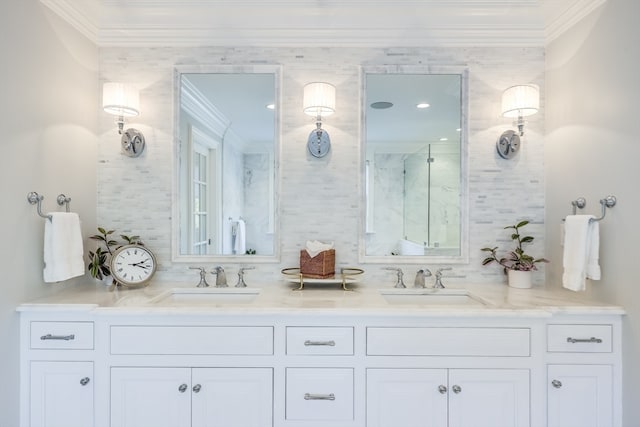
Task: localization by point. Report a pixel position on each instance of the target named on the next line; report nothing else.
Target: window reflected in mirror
(226, 164)
(413, 172)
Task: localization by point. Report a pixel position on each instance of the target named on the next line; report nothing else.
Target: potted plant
(99, 259)
(517, 264)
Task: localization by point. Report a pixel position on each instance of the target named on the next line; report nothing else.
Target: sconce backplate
(319, 143)
(508, 144)
(132, 142)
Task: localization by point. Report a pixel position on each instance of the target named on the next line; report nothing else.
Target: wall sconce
(319, 101)
(517, 102)
(122, 101)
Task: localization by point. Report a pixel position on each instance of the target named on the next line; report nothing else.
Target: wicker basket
(320, 266)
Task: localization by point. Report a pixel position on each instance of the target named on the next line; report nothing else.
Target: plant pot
(519, 279)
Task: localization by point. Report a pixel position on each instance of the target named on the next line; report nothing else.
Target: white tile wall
(319, 198)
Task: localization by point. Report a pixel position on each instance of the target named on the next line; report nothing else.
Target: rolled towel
(63, 253)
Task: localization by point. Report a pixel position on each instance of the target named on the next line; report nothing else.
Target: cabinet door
(406, 397)
(579, 395)
(489, 398)
(150, 397)
(232, 397)
(61, 394)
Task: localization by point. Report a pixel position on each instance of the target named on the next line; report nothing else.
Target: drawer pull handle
(442, 389)
(456, 389)
(196, 388)
(58, 337)
(311, 396)
(331, 343)
(587, 340)
(182, 388)
(84, 381)
(556, 383)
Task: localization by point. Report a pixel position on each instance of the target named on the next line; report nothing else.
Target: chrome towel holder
(34, 198)
(607, 202)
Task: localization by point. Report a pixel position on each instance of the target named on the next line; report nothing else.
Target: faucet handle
(203, 277)
(400, 273)
(440, 270)
(241, 283)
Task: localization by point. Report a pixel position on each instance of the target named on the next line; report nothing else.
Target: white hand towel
(593, 257)
(63, 254)
(240, 243)
(581, 242)
(314, 247)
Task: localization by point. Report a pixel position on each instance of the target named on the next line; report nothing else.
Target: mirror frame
(176, 256)
(463, 257)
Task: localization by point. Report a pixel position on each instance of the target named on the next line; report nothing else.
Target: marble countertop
(283, 298)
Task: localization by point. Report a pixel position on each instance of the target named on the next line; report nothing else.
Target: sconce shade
(120, 99)
(521, 100)
(319, 99)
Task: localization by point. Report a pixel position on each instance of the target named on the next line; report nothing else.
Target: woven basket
(320, 266)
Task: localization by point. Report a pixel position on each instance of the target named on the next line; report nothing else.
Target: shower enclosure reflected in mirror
(224, 206)
(415, 165)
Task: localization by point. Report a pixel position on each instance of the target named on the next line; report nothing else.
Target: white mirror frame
(463, 258)
(175, 219)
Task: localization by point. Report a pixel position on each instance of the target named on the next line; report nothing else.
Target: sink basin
(437, 297)
(206, 296)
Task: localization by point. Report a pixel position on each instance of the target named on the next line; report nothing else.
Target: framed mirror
(226, 164)
(414, 176)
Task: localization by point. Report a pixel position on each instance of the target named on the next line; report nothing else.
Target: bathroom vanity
(320, 358)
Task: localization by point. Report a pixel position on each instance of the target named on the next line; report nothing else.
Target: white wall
(592, 150)
(48, 108)
(319, 198)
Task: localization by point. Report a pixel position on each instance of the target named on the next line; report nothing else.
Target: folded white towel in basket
(63, 253)
(581, 251)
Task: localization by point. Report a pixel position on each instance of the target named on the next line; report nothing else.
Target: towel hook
(34, 198)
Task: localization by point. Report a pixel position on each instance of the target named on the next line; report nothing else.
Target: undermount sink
(436, 297)
(206, 296)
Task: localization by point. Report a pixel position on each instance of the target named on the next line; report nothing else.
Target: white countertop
(283, 298)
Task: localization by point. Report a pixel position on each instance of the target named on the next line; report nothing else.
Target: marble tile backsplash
(320, 198)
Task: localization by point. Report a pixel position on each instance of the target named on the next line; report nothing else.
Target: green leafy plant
(99, 259)
(516, 259)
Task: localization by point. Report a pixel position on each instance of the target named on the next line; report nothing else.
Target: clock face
(133, 265)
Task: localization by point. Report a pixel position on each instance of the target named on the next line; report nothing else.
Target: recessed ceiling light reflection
(422, 105)
(270, 106)
(444, 139)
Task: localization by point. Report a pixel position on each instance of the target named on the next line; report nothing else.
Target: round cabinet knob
(84, 381)
(456, 389)
(556, 383)
(182, 388)
(442, 389)
(196, 388)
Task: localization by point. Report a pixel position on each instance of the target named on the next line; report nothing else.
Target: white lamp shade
(521, 100)
(319, 99)
(120, 99)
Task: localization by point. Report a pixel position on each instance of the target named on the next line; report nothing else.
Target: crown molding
(349, 23)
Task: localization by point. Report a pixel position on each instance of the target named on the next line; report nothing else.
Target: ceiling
(353, 23)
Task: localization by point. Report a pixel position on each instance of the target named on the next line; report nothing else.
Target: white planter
(519, 279)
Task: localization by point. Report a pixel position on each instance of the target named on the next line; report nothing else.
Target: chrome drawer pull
(556, 383)
(456, 389)
(311, 396)
(587, 340)
(84, 381)
(182, 388)
(442, 389)
(310, 343)
(58, 337)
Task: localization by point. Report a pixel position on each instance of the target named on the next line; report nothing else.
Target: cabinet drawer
(579, 338)
(319, 340)
(192, 340)
(448, 342)
(62, 335)
(315, 394)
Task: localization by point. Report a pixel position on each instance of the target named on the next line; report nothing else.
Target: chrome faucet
(420, 275)
(438, 284)
(203, 277)
(221, 277)
(399, 282)
(241, 283)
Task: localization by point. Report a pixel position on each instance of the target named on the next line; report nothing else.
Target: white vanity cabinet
(57, 367)
(191, 397)
(583, 366)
